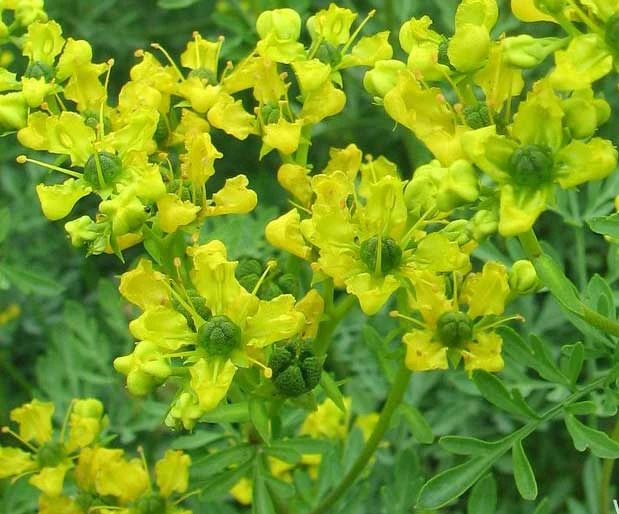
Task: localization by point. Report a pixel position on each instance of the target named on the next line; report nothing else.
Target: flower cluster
(78, 473)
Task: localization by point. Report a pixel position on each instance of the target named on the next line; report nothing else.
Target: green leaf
(218, 485)
(586, 437)
(560, 286)
(228, 413)
(543, 507)
(496, 393)
(332, 390)
(284, 453)
(483, 497)
(461, 445)
(583, 408)
(31, 282)
(419, 427)
(523, 473)
(259, 416)
(600, 297)
(219, 460)
(261, 501)
(605, 225)
(575, 362)
(545, 364)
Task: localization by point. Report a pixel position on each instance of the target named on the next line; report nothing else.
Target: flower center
(454, 328)
(107, 163)
(390, 254)
(296, 370)
(531, 165)
(151, 504)
(50, 455)
(219, 336)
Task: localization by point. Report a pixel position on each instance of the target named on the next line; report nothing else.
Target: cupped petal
(422, 353)
(520, 208)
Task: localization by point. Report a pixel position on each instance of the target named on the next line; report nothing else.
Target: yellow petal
(35, 421)
(172, 472)
(211, 381)
(423, 354)
(173, 212)
(144, 286)
(58, 200)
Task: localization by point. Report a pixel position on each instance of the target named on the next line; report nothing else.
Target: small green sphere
(219, 336)
(390, 255)
(152, 503)
(477, 116)
(204, 74)
(50, 455)
(328, 54)
(454, 328)
(531, 165)
(110, 164)
(38, 69)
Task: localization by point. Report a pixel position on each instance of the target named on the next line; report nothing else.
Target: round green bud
(280, 359)
(249, 282)
(328, 54)
(289, 283)
(269, 290)
(296, 370)
(531, 165)
(522, 277)
(204, 74)
(248, 266)
(110, 164)
(91, 119)
(38, 69)
(50, 455)
(390, 254)
(219, 336)
(290, 382)
(311, 369)
(454, 328)
(284, 23)
(477, 116)
(151, 503)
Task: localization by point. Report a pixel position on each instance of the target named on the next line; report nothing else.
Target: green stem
(607, 472)
(534, 251)
(303, 149)
(400, 385)
(335, 315)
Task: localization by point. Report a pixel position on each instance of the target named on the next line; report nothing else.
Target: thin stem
(607, 472)
(400, 385)
(326, 329)
(306, 141)
(534, 251)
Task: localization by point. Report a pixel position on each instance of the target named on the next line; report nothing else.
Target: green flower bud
(269, 290)
(50, 455)
(390, 254)
(526, 51)
(454, 328)
(38, 69)
(204, 74)
(296, 370)
(219, 336)
(383, 77)
(459, 187)
(151, 503)
(531, 165)
(484, 223)
(197, 302)
(110, 166)
(289, 284)
(458, 231)
(91, 119)
(477, 116)
(328, 54)
(611, 35)
(284, 23)
(270, 113)
(523, 278)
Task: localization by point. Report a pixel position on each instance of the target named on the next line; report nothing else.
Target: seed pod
(390, 254)
(219, 336)
(296, 370)
(531, 165)
(110, 165)
(454, 328)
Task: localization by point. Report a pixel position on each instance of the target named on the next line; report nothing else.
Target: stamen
(65, 422)
(270, 265)
(500, 321)
(7, 430)
(101, 127)
(22, 159)
(144, 463)
(414, 321)
(267, 372)
(356, 32)
(157, 46)
(300, 207)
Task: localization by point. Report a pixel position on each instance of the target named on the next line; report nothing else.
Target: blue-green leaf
(483, 497)
(523, 473)
(586, 437)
